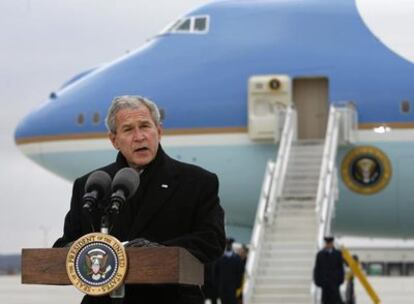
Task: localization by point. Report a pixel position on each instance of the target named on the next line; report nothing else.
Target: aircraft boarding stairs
(294, 214)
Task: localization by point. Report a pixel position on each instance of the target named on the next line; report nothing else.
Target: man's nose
(138, 134)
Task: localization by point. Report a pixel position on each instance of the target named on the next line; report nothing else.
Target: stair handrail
(257, 234)
(328, 186)
(271, 190)
(289, 134)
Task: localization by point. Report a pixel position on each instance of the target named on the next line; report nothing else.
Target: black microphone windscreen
(126, 179)
(98, 181)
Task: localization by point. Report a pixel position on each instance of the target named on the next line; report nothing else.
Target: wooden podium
(158, 265)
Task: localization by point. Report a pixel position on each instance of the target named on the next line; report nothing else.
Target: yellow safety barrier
(356, 270)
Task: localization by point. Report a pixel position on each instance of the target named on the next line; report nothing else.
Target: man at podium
(176, 204)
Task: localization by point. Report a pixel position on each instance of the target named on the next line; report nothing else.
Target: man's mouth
(141, 149)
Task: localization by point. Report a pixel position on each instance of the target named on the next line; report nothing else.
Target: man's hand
(141, 242)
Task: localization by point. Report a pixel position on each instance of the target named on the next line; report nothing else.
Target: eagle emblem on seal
(96, 261)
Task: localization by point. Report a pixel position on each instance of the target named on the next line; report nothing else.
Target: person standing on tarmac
(229, 273)
(328, 272)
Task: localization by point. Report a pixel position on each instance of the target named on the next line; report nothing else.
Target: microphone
(124, 186)
(96, 187)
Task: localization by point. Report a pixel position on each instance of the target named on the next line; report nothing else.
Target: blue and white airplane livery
(199, 71)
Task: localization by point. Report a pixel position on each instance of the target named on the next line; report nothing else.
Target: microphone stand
(118, 294)
(105, 223)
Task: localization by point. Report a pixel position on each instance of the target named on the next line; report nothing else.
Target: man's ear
(112, 138)
(159, 129)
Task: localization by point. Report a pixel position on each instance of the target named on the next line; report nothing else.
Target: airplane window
(81, 119)
(200, 24)
(171, 27)
(184, 26)
(96, 118)
(405, 106)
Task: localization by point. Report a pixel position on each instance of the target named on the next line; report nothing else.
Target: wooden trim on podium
(160, 265)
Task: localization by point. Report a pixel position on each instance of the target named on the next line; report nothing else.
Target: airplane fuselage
(200, 80)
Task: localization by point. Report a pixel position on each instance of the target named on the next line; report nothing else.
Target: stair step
(299, 210)
(313, 154)
(301, 182)
(294, 215)
(273, 267)
(288, 280)
(296, 226)
(293, 244)
(304, 167)
(291, 217)
(310, 171)
(300, 189)
(290, 230)
(307, 148)
(299, 261)
(272, 258)
(276, 269)
(301, 179)
(282, 289)
(297, 188)
(305, 271)
(294, 229)
(279, 236)
(288, 203)
(311, 142)
(279, 274)
(301, 175)
(292, 222)
(283, 218)
(304, 196)
(297, 298)
(277, 247)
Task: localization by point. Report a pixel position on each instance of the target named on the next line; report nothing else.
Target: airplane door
(268, 95)
(310, 96)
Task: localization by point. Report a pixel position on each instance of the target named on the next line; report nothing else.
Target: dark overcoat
(230, 274)
(329, 274)
(329, 268)
(176, 204)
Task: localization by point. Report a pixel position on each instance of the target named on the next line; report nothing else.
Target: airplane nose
(29, 132)
(28, 128)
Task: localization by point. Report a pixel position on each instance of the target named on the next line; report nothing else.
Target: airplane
(202, 69)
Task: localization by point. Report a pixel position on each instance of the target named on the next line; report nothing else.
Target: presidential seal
(96, 264)
(366, 170)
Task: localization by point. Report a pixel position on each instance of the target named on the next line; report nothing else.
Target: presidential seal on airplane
(366, 170)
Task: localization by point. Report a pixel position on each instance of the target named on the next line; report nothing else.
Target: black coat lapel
(161, 185)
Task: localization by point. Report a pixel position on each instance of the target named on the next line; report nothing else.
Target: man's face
(137, 136)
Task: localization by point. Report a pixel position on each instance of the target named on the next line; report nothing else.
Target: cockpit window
(189, 25)
(200, 24)
(184, 26)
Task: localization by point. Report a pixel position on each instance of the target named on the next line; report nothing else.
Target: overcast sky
(42, 44)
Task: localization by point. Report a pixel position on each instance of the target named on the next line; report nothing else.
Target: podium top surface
(158, 265)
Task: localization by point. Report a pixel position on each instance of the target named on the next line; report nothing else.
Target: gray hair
(130, 102)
